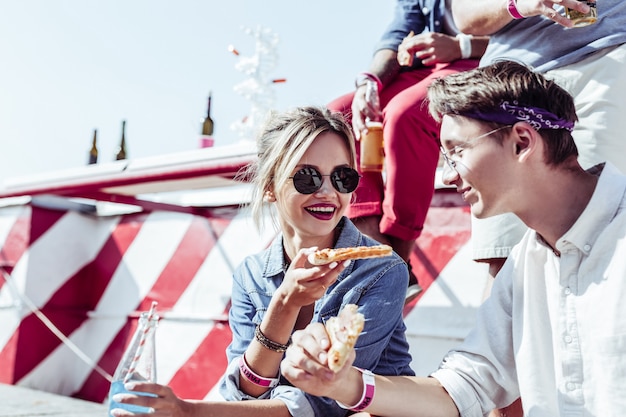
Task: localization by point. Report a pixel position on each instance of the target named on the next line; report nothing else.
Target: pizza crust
(326, 256)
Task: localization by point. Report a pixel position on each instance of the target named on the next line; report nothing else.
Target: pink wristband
(371, 76)
(254, 378)
(512, 7)
(369, 388)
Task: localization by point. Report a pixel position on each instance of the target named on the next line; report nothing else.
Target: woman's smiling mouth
(322, 212)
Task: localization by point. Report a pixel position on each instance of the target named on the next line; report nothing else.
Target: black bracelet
(268, 343)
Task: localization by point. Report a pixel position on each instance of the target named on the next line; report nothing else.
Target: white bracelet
(465, 43)
(369, 387)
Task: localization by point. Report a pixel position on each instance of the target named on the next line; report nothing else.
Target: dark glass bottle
(93, 152)
(206, 135)
(121, 152)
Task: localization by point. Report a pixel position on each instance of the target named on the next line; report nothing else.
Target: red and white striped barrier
(91, 275)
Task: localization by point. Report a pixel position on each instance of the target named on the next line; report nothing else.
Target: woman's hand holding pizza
(304, 283)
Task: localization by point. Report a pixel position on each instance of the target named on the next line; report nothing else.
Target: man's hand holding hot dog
(306, 366)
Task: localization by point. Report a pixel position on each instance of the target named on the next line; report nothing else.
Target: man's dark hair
(484, 89)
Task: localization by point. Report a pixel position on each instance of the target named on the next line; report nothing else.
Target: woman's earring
(269, 197)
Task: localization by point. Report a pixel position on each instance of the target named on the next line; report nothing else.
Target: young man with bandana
(586, 61)
(541, 335)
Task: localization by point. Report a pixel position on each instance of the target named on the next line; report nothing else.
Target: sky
(71, 66)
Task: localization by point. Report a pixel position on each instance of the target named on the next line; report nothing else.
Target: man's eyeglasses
(308, 180)
(452, 157)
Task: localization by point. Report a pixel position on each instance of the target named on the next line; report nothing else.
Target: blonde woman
(306, 170)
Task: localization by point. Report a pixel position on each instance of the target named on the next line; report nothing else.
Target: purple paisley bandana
(510, 114)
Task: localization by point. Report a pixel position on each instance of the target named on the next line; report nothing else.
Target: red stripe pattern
(92, 275)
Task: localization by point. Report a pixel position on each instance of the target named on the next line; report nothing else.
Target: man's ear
(525, 140)
(269, 196)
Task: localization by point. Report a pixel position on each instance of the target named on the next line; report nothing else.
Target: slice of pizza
(343, 331)
(326, 256)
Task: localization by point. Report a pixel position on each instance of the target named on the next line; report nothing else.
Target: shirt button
(570, 386)
(587, 248)
(568, 339)
(567, 291)
(425, 11)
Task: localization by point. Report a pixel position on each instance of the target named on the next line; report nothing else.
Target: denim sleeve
(407, 17)
(241, 315)
(382, 346)
(241, 320)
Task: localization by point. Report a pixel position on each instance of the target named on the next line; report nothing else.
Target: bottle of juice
(372, 152)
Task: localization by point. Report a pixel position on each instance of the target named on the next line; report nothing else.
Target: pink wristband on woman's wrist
(512, 7)
(369, 388)
(254, 378)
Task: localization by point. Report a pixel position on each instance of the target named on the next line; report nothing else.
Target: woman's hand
(305, 283)
(165, 404)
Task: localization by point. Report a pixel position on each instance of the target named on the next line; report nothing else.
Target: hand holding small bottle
(372, 153)
(575, 11)
(365, 106)
(138, 364)
(155, 399)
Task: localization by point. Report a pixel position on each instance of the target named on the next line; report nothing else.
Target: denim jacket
(418, 16)
(376, 285)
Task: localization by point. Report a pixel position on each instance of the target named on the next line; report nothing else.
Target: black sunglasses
(308, 180)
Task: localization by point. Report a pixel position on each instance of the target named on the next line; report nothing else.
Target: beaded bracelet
(268, 343)
(512, 7)
(253, 377)
(369, 388)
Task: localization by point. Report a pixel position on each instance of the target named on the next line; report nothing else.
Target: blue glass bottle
(137, 364)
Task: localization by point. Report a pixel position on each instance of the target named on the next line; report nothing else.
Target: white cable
(54, 329)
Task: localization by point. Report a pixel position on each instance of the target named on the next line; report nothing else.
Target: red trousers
(411, 137)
